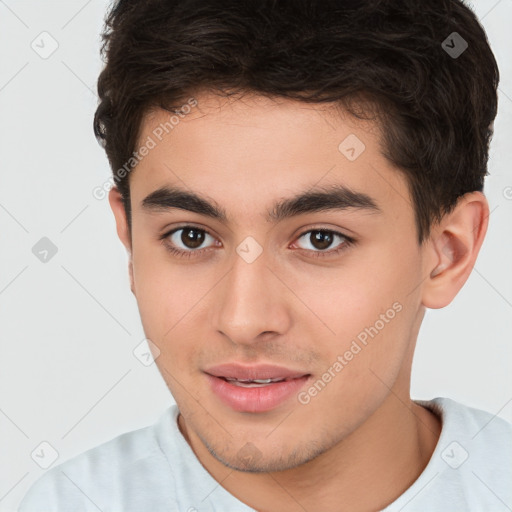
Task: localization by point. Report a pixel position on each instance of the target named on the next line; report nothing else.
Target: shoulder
(470, 468)
(481, 442)
(484, 433)
(108, 473)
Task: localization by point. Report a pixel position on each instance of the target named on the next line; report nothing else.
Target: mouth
(254, 383)
(255, 388)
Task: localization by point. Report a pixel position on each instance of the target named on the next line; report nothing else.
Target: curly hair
(384, 60)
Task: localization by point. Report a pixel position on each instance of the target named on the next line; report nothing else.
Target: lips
(256, 372)
(256, 388)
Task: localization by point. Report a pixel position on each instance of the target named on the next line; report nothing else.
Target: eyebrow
(319, 199)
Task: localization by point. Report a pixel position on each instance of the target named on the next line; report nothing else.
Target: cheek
(350, 298)
(364, 313)
(161, 287)
(361, 361)
(167, 314)
(169, 303)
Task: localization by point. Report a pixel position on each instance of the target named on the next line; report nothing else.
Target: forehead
(247, 152)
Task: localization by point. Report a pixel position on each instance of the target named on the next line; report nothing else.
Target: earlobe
(123, 231)
(453, 248)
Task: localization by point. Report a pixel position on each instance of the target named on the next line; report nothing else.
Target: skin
(362, 431)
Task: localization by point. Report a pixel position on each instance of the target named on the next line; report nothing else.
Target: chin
(250, 459)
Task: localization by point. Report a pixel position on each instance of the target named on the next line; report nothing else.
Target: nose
(251, 302)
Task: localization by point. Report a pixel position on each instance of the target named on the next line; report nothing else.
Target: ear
(123, 231)
(452, 249)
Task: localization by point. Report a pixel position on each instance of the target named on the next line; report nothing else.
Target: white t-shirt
(153, 469)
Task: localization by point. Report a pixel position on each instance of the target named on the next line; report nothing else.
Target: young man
(296, 181)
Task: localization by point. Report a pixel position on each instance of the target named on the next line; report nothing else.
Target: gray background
(68, 327)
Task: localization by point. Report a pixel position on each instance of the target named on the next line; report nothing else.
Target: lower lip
(257, 399)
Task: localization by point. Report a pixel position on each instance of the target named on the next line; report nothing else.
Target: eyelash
(348, 242)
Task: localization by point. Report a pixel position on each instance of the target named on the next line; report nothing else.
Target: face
(328, 296)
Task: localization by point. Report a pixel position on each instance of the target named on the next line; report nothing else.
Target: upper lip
(254, 372)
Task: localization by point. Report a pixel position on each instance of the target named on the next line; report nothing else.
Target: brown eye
(192, 237)
(319, 240)
(186, 239)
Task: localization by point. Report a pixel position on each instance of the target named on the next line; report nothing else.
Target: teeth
(251, 382)
(248, 384)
